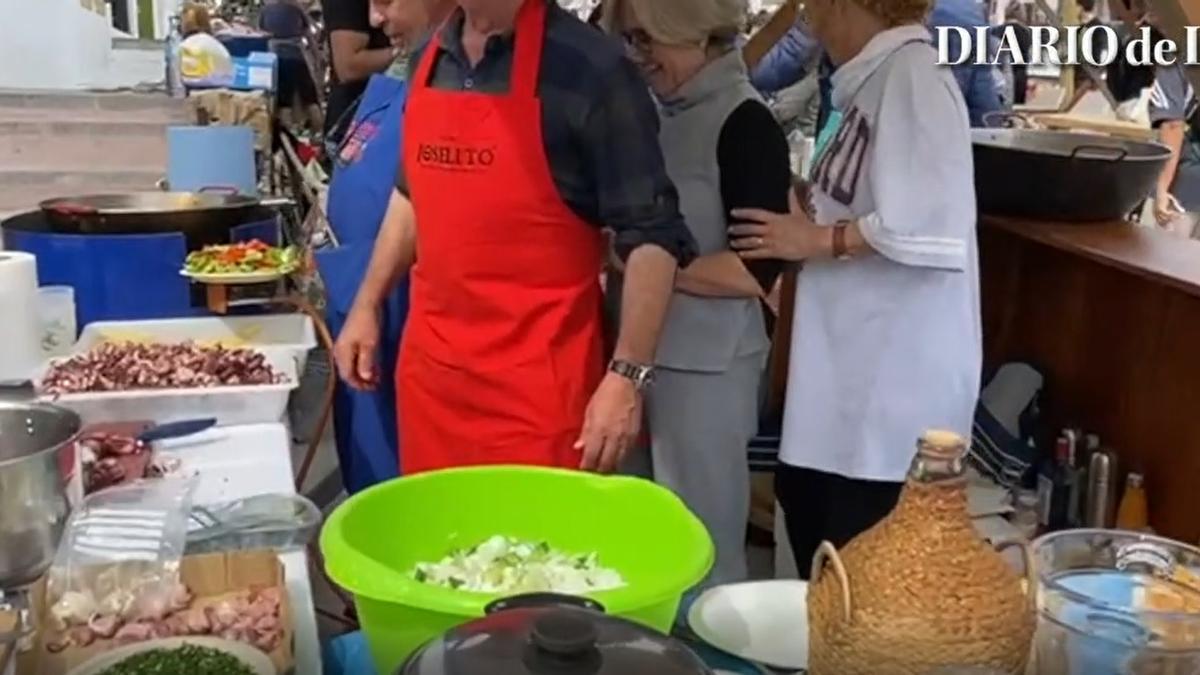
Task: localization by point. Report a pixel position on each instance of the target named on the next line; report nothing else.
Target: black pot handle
(542, 600)
(1121, 153)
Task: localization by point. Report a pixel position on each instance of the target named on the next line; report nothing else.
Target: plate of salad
(246, 262)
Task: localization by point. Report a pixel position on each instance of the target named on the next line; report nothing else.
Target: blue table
(348, 655)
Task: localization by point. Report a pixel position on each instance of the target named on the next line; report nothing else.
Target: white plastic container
(249, 404)
(293, 332)
(56, 310)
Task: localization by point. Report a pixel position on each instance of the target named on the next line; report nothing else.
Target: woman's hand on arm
(792, 236)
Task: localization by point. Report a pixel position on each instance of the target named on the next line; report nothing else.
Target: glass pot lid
(547, 634)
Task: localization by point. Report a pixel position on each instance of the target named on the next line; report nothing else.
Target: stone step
(64, 106)
(82, 145)
(22, 189)
(55, 144)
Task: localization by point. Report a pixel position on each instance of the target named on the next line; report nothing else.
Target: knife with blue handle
(170, 430)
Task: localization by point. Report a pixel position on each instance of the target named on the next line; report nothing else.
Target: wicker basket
(921, 590)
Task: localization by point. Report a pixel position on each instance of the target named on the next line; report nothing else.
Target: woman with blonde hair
(887, 339)
(201, 56)
(195, 18)
(723, 151)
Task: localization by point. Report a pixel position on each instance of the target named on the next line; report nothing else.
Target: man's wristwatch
(641, 375)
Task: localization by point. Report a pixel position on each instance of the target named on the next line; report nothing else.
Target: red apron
(502, 349)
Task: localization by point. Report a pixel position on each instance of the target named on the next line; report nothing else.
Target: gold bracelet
(840, 250)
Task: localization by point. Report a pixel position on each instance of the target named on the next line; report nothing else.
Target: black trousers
(820, 506)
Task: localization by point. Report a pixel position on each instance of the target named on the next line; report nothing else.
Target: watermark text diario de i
(1071, 46)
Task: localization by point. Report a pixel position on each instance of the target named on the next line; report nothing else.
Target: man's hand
(1166, 207)
(356, 347)
(610, 425)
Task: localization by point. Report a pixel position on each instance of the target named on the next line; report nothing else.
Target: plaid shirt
(599, 127)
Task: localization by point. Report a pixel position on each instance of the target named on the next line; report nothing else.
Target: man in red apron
(526, 134)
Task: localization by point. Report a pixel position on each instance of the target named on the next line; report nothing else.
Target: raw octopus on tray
(110, 459)
(253, 617)
(122, 366)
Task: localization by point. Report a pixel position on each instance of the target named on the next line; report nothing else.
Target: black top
(351, 15)
(755, 165)
(599, 127)
(283, 20)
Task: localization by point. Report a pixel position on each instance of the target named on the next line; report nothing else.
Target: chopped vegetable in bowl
(185, 660)
(241, 258)
(509, 566)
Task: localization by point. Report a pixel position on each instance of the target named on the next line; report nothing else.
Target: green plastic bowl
(373, 541)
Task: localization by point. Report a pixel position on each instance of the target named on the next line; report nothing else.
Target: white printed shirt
(888, 344)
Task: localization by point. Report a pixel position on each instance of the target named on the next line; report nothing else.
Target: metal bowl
(1063, 176)
(145, 202)
(202, 216)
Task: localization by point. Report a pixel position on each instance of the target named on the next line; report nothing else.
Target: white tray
(288, 331)
(249, 404)
(234, 462)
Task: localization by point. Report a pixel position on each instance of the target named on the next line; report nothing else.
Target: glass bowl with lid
(1116, 602)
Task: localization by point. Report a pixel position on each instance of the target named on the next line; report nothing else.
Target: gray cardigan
(705, 334)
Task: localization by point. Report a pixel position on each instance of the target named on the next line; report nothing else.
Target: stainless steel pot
(1063, 176)
(37, 453)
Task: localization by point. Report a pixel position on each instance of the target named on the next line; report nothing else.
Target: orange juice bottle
(1133, 513)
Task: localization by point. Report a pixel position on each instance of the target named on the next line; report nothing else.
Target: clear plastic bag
(120, 554)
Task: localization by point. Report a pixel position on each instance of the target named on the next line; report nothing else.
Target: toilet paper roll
(20, 332)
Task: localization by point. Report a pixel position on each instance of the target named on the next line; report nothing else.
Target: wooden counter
(1110, 313)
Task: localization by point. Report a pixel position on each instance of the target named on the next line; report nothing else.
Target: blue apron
(363, 180)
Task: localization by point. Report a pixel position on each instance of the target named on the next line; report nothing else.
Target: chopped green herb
(455, 582)
(186, 660)
(420, 575)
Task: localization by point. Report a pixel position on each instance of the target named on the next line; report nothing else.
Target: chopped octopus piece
(104, 625)
(137, 631)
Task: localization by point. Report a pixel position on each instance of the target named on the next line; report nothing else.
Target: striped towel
(1002, 446)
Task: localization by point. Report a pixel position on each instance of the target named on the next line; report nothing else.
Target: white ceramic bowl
(765, 622)
(252, 658)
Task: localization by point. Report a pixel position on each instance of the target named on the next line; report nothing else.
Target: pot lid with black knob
(546, 634)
